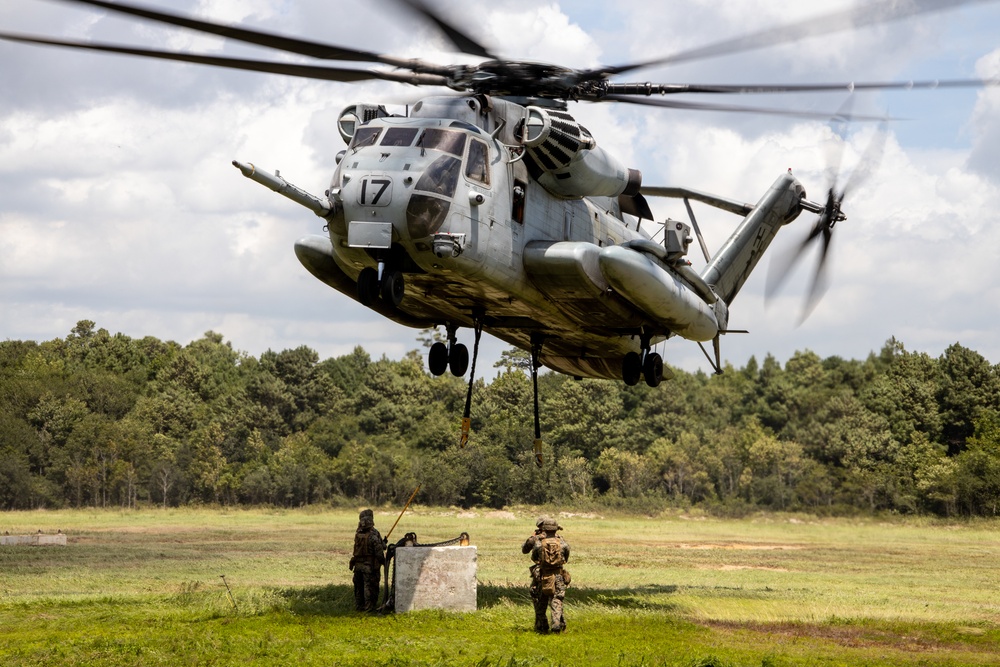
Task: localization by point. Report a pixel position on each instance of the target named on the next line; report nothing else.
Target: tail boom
(731, 266)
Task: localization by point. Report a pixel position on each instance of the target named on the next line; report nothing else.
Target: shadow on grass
(338, 600)
(641, 597)
(331, 600)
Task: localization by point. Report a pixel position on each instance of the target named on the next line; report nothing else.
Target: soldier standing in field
(367, 561)
(549, 579)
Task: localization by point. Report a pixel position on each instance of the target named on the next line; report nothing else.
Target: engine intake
(566, 160)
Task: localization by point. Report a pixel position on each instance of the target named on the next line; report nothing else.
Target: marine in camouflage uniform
(367, 561)
(549, 579)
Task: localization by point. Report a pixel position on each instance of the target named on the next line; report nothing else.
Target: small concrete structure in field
(37, 540)
(436, 578)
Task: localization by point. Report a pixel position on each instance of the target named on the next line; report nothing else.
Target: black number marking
(380, 186)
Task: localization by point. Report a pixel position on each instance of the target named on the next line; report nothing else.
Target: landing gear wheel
(368, 286)
(458, 360)
(631, 369)
(437, 359)
(393, 287)
(652, 369)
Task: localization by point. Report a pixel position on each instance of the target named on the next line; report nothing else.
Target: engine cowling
(566, 160)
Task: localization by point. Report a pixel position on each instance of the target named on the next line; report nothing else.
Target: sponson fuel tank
(661, 295)
(578, 275)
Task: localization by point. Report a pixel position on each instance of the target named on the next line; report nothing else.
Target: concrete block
(435, 578)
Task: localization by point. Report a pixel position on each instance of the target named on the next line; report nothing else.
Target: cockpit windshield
(365, 136)
(449, 141)
(399, 136)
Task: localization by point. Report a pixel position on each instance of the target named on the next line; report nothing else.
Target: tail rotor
(828, 215)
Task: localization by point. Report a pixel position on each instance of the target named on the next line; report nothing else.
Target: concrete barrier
(435, 578)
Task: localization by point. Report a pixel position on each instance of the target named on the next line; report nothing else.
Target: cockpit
(451, 142)
(440, 158)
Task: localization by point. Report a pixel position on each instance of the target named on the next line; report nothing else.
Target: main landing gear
(454, 356)
(649, 366)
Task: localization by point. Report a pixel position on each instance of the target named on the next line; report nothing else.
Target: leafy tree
(968, 386)
(978, 468)
(628, 474)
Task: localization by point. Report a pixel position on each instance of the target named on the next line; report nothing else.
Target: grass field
(144, 588)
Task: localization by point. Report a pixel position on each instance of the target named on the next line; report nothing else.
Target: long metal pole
(412, 495)
(229, 591)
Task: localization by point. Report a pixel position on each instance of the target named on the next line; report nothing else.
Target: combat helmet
(547, 524)
(366, 518)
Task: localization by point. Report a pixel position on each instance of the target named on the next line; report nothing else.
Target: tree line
(105, 420)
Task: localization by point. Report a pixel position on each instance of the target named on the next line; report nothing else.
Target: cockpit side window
(448, 141)
(365, 136)
(399, 136)
(477, 167)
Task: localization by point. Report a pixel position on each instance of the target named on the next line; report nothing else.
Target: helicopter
(491, 208)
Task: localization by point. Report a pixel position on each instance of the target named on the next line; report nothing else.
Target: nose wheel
(368, 287)
(649, 367)
(391, 286)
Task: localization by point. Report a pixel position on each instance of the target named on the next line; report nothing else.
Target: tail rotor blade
(869, 161)
(782, 264)
(818, 285)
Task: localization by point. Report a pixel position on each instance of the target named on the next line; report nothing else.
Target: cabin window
(477, 167)
(365, 136)
(517, 201)
(449, 141)
(441, 177)
(399, 136)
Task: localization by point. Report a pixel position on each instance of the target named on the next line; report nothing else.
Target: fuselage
(460, 209)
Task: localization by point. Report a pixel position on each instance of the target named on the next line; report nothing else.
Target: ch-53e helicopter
(491, 208)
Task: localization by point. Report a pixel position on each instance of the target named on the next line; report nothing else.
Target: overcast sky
(118, 202)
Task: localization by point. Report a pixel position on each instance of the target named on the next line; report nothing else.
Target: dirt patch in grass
(910, 639)
(741, 567)
(739, 546)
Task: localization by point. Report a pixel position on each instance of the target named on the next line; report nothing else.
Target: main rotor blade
(765, 88)
(869, 14)
(260, 38)
(464, 42)
(706, 106)
(289, 69)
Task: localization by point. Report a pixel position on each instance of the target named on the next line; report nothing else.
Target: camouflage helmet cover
(548, 524)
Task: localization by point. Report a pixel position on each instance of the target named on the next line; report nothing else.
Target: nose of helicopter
(406, 203)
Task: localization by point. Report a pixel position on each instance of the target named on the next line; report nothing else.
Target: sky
(119, 203)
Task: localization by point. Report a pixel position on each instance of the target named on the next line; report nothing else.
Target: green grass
(144, 588)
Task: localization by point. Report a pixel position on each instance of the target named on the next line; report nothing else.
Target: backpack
(551, 552)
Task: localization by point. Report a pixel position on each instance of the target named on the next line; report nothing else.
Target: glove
(352, 563)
